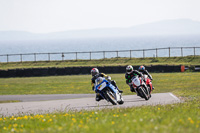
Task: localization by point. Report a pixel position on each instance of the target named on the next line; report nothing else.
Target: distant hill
(165, 27)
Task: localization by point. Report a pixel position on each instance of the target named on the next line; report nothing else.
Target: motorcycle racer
(130, 73)
(144, 71)
(95, 74)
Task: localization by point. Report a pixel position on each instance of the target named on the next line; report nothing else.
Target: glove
(129, 84)
(109, 78)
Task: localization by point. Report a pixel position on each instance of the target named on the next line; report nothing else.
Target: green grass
(163, 82)
(189, 60)
(46, 85)
(175, 118)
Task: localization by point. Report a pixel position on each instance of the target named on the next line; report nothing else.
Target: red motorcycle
(141, 88)
(148, 83)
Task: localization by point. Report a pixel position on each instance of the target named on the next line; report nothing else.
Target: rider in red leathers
(145, 72)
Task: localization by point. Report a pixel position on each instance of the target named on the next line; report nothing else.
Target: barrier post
(169, 51)
(156, 52)
(181, 52)
(7, 58)
(35, 57)
(194, 52)
(90, 55)
(21, 57)
(130, 54)
(49, 56)
(143, 54)
(63, 56)
(76, 56)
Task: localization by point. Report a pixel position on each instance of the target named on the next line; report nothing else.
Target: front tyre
(121, 102)
(110, 96)
(145, 93)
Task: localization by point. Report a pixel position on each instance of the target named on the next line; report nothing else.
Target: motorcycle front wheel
(110, 96)
(145, 93)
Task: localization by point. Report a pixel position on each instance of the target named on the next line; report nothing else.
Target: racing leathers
(145, 72)
(130, 76)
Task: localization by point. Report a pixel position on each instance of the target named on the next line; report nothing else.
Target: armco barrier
(31, 72)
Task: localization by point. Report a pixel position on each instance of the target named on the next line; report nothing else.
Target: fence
(140, 53)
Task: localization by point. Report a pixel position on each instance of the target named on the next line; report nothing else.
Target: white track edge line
(175, 97)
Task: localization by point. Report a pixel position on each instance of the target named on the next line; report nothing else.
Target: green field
(163, 82)
(189, 60)
(181, 117)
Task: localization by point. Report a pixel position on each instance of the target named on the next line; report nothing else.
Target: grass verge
(163, 82)
(155, 119)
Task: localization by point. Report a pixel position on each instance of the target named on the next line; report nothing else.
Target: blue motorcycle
(108, 91)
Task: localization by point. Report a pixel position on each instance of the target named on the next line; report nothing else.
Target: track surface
(80, 103)
(46, 97)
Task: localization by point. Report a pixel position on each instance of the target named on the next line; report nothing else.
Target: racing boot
(98, 97)
(153, 88)
(120, 91)
(132, 89)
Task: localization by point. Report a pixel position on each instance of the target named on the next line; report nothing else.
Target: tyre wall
(33, 72)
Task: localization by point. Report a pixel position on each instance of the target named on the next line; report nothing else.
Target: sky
(44, 16)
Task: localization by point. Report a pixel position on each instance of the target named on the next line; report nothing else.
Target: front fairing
(102, 83)
(136, 81)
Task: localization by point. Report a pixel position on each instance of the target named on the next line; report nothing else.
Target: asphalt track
(46, 97)
(39, 104)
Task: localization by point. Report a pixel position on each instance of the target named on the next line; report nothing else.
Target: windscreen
(98, 80)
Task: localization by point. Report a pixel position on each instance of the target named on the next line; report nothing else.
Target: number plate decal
(102, 86)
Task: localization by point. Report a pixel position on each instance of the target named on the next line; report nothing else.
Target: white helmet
(129, 69)
(94, 71)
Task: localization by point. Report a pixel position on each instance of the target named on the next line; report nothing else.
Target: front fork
(144, 85)
(146, 88)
